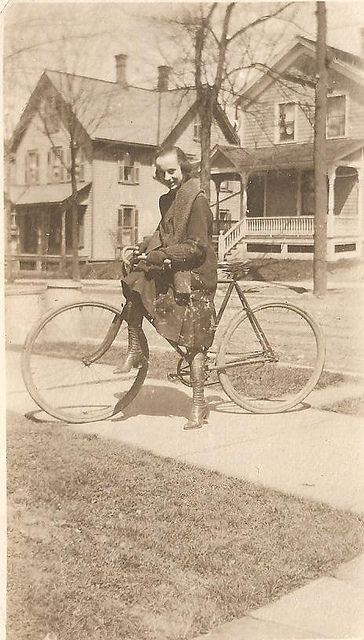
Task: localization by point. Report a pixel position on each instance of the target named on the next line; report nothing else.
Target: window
(32, 167)
(59, 163)
(286, 122)
(127, 226)
(197, 129)
(80, 165)
(128, 169)
(336, 111)
(226, 186)
(49, 114)
(55, 164)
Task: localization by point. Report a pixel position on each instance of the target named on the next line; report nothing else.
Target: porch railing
(280, 226)
(286, 226)
(267, 227)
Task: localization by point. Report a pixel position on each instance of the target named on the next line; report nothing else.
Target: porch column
(217, 181)
(299, 193)
(331, 173)
(243, 193)
(62, 263)
(331, 202)
(14, 242)
(39, 223)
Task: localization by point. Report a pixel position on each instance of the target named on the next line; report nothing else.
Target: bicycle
(269, 359)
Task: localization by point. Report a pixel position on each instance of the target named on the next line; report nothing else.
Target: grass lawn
(351, 406)
(107, 542)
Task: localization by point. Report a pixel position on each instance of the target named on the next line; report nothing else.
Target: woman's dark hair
(183, 161)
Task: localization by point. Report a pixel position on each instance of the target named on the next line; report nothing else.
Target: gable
(298, 65)
(108, 112)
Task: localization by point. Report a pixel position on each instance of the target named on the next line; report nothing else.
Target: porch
(41, 231)
(270, 207)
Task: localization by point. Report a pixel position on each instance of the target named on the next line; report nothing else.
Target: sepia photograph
(183, 392)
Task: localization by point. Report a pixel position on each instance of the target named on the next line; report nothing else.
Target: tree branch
(259, 20)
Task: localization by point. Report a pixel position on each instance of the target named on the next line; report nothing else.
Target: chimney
(163, 76)
(120, 60)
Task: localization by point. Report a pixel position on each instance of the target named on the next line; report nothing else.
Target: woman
(180, 299)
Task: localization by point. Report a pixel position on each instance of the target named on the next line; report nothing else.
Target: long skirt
(185, 320)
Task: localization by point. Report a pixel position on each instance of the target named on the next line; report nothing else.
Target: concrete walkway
(310, 453)
(331, 607)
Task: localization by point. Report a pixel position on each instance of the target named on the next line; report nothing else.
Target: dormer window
(32, 167)
(128, 169)
(197, 129)
(286, 122)
(336, 116)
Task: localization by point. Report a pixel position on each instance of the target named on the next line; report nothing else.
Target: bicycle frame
(268, 353)
(258, 356)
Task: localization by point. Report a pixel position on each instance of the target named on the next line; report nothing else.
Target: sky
(102, 30)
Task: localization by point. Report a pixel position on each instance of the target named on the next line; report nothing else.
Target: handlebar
(125, 250)
(139, 256)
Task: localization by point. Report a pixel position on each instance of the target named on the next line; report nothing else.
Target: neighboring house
(118, 130)
(270, 210)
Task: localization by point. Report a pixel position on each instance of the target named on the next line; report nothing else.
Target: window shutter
(136, 224)
(136, 173)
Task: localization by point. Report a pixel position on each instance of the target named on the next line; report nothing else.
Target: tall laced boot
(135, 354)
(200, 409)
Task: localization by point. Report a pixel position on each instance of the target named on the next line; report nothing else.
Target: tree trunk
(205, 112)
(74, 213)
(9, 274)
(320, 164)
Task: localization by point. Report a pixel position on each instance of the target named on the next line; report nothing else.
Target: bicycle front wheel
(69, 360)
(277, 375)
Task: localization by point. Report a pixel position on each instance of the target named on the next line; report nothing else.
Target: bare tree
(218, 48)
(76, 104)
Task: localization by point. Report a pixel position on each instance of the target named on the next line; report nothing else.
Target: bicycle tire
(69, 358)
(260, 386)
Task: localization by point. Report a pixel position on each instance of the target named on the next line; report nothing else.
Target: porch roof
(44, 193)
(281, 156)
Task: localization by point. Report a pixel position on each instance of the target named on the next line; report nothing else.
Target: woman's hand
(156, 257)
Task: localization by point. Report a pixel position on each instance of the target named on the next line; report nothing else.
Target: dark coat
(184, 313)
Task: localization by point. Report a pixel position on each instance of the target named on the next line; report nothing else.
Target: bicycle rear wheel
(264, 381)
(69, 359)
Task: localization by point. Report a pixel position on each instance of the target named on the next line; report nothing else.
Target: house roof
(108, 111)
(339, 54)
(280, 156)
(348, 64)
(111, 112)
(44, 193)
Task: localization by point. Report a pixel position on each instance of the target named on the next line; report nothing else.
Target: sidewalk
(331, 607)
(310, 453)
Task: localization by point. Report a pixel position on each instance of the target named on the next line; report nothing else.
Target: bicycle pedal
(172, 377)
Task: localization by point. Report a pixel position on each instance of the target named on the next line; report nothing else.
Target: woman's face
(168, 170)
